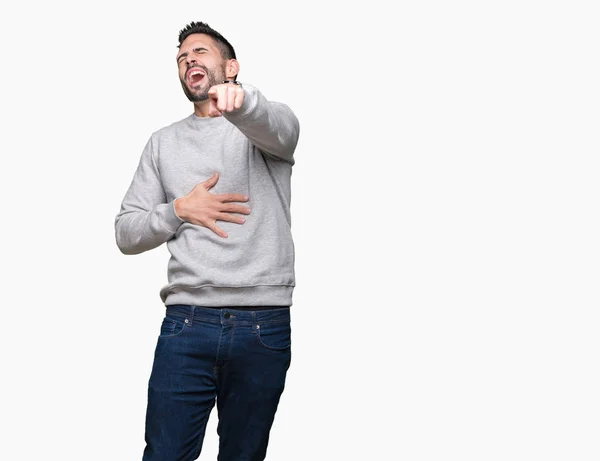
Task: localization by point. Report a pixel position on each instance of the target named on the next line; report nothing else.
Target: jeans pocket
(274, 336)
(171, 326)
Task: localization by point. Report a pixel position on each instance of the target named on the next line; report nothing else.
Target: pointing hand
(225, 97)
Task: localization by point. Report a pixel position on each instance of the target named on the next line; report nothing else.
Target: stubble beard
(201, 94)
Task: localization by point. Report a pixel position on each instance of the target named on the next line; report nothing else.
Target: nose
(190, 59)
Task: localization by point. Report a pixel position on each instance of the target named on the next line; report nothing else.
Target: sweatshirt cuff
(171, 219)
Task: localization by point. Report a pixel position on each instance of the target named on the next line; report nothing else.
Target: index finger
(231, 197)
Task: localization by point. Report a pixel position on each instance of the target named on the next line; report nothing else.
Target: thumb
(210, 182)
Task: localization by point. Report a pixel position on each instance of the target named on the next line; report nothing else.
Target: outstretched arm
(270, 126)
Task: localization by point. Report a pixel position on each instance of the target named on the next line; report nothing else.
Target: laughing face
(200, 66)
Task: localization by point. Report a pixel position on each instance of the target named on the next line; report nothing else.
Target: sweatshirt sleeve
(270, 126)
(146, 219)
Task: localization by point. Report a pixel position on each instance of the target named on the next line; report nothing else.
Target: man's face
(200, 66)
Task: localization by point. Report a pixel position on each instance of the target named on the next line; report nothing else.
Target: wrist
(179, 206)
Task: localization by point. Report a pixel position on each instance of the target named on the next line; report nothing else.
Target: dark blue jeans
(238, 358)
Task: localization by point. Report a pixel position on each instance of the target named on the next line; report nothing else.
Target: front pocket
(171, 326)
(274, 336)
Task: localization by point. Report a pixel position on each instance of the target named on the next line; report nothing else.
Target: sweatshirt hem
(209, 295)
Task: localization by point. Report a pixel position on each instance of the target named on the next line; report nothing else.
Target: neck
(201, 108)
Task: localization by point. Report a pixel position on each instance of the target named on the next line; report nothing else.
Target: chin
(193, 97)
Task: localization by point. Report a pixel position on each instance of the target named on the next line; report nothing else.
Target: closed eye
(199, 50)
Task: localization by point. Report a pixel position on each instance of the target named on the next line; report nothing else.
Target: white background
(445, 214)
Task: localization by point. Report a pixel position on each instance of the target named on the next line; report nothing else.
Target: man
(215, 187)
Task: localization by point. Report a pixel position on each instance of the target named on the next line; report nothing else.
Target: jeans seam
(218, 350)
(231, 341)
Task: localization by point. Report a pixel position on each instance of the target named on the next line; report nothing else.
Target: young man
(215, 187)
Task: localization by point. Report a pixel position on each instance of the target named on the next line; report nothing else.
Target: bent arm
(270, 126)
(146, 219)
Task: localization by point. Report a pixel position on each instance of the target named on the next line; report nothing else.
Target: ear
(232, 68)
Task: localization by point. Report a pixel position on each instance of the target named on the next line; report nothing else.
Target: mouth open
(195, 76)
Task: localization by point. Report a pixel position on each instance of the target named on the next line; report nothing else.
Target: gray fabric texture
(252, 149)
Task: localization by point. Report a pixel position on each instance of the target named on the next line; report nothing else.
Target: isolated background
(445, 214)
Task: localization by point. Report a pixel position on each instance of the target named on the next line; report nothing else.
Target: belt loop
(254, 324)
(189, 321)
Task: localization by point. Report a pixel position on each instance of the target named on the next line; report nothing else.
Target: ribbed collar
(203, 122)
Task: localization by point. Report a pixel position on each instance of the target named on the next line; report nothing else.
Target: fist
(225, 97)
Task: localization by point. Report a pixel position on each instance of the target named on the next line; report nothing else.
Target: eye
(199, 50)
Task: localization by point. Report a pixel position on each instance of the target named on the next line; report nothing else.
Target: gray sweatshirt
(252, 150)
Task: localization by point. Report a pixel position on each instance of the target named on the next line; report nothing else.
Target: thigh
(250, 387)
(181, 390)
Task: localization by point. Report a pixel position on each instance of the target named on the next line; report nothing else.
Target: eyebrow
(183, 55)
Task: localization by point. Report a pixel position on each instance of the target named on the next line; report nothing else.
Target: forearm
(270, 126)
(139, 230)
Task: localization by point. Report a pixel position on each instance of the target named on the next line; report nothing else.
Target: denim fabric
(235, 357)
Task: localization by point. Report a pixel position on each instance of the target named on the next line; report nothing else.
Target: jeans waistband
(229, 315)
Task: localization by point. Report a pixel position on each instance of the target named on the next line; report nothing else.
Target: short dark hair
(227, 51)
